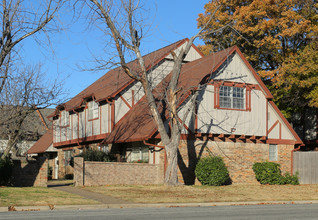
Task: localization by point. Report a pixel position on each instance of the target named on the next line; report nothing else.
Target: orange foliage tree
(279, 39)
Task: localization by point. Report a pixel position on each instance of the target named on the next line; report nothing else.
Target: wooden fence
(306, 163)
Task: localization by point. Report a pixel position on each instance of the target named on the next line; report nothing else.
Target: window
(232, 97)
(92, 110)
(139, 153)
(273, 152)
(65, 120)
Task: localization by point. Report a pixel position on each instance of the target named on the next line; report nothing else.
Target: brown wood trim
(156, 62)
(185, 126)
(42, 119)
(242, 137)
(113, 115)
(125, 101)
(281, 141)
(268, 95)
(109, 118)
(80, 140)
(266, 116)
(273, 126)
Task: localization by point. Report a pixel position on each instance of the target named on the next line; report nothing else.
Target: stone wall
(30, 172)
(104, 173)
(238, 157)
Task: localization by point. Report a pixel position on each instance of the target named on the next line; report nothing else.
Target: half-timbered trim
(132, 97)
(272, 127)
(80, 140)
(125, 101)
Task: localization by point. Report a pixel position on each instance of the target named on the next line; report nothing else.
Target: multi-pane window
(232, 97)
(139, 154)
(92, 110)
(273, 152)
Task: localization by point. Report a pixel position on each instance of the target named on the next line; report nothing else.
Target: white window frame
(139, 153)
(93, 110)
(229, 95)
(273, 152)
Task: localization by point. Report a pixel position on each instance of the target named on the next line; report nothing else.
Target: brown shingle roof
(138, 124)
(115, 80)
(43, 143)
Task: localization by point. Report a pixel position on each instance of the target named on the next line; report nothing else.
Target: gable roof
(43, 143)
(115, 81)
(138, 124)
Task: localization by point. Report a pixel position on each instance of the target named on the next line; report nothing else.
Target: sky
(75, 47)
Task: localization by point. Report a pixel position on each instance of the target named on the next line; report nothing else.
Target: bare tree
(19, 20)
(25, 91)
(21, 87)
(123, 23)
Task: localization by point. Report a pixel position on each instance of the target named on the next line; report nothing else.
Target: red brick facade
(103, 173)
(238, 157)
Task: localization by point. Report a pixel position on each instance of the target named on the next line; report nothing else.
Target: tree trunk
(9, 146)
(171, 177)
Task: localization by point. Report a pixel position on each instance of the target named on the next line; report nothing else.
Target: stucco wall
(238, 157)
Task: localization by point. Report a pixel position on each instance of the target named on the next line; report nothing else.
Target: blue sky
(172, 21)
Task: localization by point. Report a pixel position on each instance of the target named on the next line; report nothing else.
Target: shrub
(291, 179)
(270, 173)
(96, 155)
(212, 171)
(6, 167)
(68, 176)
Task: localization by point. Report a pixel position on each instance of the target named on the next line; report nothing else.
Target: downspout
(165, 157)
(292, 158)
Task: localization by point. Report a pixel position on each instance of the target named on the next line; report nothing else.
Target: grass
(189, 194)
(160, 194)
(24, 196)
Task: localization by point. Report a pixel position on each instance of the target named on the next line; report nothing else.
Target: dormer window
(92, 110)
(65, 118)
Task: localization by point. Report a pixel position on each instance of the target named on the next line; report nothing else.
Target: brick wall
(30, 173)
(238, 157)
(104, 173)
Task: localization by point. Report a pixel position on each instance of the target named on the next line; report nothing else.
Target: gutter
(165, 157)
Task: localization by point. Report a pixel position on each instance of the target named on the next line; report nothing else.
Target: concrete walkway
(89, 195)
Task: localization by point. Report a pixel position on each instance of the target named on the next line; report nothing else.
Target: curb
(159, 205)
